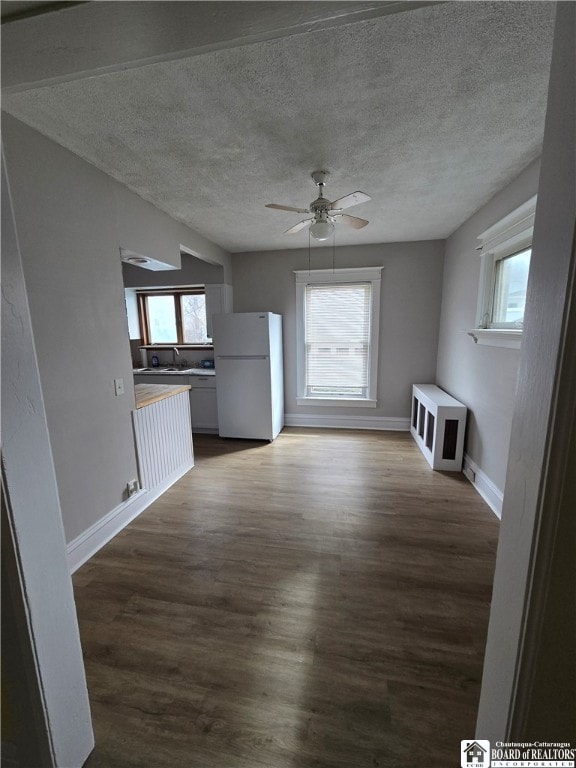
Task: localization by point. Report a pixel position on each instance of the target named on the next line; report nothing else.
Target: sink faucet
(175, 354)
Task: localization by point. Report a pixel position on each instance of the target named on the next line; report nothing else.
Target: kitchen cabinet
(218, 301)
(203, 404)
(154, 378)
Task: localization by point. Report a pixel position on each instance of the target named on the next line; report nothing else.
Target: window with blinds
(337, 319)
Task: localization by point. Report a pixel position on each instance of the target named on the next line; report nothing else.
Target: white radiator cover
(163, 439)
(437, 424)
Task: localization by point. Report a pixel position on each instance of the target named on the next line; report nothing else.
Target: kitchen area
(197, 366)
(202, 387)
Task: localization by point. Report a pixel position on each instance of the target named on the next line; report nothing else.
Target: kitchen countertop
(163, 371)
(146, 394)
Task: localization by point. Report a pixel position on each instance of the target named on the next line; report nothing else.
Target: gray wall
(71, 220)
(41, 654)
(528, 687)
(410, 310)
(193, 271)
(482, 377)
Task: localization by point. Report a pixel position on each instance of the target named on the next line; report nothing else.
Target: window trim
(306, 277)
(509, 236)
(142, 297)
(497, 337)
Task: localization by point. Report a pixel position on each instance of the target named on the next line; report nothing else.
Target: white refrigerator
(249, 374)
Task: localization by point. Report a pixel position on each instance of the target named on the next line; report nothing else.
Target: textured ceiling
(429, 111)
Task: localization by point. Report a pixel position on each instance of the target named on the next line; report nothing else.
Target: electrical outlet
(118, 387)
(132, 487)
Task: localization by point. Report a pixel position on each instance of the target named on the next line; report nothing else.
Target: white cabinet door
(204, 409)
(218, 301)
(142, 378)
(160, 378)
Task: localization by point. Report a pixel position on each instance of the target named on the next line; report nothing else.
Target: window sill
(336, 402)
(497, 337)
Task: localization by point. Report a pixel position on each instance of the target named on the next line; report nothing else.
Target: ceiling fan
(325, 213)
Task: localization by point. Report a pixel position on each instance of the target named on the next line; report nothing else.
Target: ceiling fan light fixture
(324, 211)
(137, 260)
(321, 230)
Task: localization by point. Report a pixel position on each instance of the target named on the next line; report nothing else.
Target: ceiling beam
(14, 10)
(95, 38)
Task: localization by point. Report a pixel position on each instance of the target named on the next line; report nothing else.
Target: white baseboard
(346, 422)
(491, 494)
(81, 549)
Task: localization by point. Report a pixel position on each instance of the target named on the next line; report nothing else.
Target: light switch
(118, 387)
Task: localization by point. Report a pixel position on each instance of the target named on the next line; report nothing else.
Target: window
(510, 283)
(337, 339)
(505, 251)
(338, 315)
(173, 317)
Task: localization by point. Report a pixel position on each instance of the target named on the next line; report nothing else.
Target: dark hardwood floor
(321, 601)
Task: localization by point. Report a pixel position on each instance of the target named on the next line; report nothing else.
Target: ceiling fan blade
(353, 221)
(298, 227)
(354, 198)
(287, 208)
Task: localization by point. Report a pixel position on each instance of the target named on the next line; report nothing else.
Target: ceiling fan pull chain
(333, 250)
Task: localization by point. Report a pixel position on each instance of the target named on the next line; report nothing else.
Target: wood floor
(321, 601)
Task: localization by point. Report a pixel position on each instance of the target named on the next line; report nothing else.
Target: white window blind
(337, 339)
